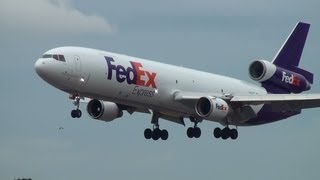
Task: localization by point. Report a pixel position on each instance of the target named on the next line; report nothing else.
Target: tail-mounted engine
(211, 108)
(103, 110)
(268, 73)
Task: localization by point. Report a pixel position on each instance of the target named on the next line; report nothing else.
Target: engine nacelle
(210, 108)
(261, 70)
(266, 72)
(103, 110)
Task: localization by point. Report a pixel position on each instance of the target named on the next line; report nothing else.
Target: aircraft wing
(280, 102)
(191, 96)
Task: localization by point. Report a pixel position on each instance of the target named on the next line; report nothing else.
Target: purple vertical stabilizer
(290, 53)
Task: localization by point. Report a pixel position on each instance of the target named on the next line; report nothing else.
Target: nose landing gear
(75, 113)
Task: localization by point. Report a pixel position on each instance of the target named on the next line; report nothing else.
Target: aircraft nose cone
(38, 66)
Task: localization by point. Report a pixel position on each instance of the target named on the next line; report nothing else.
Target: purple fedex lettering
(110, 67)
(122, 74)
(133, 75)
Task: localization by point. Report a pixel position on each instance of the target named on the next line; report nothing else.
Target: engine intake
(103, 110)
(261, 70)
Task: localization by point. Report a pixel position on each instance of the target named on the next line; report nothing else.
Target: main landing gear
(194, 131)
(225, 133)
(156, 133)
(75, 113)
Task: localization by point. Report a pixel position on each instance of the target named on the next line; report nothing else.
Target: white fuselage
(151, 86)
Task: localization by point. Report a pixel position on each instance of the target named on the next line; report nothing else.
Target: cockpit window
(47, 56)
(61, 58)
(57, 57)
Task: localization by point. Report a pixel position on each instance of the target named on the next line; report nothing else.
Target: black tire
(233, 134)
(74, 113)
(225, 133)
(197, 132)
(164, 134)
(217, 132)
(79, 113)
(156, 134)
(148, 133)
(190, 132)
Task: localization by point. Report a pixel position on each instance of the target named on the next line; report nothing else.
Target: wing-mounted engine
(272, 75)
(212, 108)
(103, 110)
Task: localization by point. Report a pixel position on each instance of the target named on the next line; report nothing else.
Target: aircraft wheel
(164, 134)
(148, 133)
(225, 133)
(74, 113)
(79, 113)
(197, 132)
(217, 132)
(234, 133)
(156, 134)
(190, 132)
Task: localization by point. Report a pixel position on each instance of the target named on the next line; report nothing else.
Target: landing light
(81, 79)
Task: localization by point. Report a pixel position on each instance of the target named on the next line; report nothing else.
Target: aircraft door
(78, 76)
(77, 63)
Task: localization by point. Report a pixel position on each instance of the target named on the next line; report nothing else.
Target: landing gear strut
(225, 133)
(156, 133)
(76, 113)
(194, 131)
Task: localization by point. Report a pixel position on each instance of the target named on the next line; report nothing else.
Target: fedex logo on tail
(132, 75)
(290, 79)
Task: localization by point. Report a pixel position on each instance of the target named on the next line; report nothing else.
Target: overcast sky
(221, 37)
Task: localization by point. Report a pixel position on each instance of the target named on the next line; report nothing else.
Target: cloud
(49, 16)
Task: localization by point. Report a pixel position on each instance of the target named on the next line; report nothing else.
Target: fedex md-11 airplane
(111, 83)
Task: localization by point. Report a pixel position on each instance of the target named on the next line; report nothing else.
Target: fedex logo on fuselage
(132, 75)
(290, 79)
